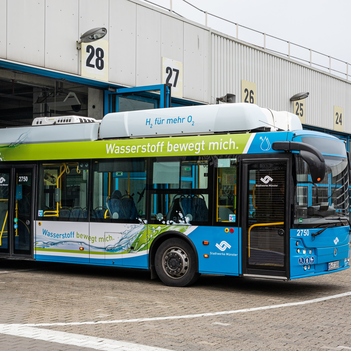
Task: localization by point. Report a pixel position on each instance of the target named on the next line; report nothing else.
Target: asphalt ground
(72, 307)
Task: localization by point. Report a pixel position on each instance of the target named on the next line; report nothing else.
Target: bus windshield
(327, 201)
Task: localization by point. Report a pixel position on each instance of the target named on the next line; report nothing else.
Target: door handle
(281, 232)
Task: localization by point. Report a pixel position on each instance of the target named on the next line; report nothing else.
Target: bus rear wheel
(175, 263)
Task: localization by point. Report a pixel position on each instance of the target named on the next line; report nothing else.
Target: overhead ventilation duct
(70, 102)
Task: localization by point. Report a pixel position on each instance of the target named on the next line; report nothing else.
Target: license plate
(333, 265)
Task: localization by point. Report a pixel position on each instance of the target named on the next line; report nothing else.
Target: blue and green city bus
(229, 189)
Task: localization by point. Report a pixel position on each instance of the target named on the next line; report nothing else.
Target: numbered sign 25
(248, 92)
(95, 60)
(338, 118)
(299, 109)
(172, 73)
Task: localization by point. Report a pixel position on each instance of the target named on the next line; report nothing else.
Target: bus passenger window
(119, 190)
(63, 191)
(226, 190)
(179, 192)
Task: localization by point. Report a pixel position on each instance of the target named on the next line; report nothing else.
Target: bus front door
(16, 211)
(264, 229)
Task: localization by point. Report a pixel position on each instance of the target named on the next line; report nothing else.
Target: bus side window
(63, 191)
(119, 190)
(179, 192)
(226, 190)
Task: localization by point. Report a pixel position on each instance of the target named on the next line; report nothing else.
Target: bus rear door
(16, 211)
(264, 218)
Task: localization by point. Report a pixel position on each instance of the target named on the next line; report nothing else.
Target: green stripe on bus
(178, 146)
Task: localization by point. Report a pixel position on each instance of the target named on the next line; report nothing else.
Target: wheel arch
(162, 238)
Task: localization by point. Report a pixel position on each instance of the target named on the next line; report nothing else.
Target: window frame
(91, 198)
(180, 191)
(41, 192)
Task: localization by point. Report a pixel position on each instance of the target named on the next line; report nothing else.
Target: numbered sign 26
(248, 92)
(95, 60)
(338, 118)
(172, 73)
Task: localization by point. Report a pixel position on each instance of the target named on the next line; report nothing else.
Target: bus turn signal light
(206, 242)
(81, 248)
(206, 256)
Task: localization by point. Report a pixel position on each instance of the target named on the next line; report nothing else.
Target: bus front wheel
(175, 263)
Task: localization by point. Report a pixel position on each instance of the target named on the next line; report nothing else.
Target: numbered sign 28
(95, 60)
(299, 109)
(172, 73)
(248, 92)
(338, 118)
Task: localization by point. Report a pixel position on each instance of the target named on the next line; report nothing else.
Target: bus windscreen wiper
(329, 226)
(322, 230)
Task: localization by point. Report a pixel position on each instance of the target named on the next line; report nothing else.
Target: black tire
(175, 263)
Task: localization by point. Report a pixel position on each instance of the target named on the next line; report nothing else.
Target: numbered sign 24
(95, 60)
(338, 118)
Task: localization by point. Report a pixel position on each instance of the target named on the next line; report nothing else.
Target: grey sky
(322, 25)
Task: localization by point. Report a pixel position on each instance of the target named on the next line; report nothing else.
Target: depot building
(89, 58)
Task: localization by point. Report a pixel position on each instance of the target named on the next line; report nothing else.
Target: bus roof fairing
(207, 119)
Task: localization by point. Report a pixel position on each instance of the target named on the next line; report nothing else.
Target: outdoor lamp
(299, 96)
(91, 35)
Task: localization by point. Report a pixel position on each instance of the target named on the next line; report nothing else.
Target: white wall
(43, 33)
(277, 80)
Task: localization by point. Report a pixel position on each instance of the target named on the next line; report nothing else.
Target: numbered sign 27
(95, 60)
(172, 73)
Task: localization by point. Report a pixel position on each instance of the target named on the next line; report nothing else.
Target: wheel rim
(175, 262)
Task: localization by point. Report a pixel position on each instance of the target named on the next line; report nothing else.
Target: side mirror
(317, 168)
(309, 153)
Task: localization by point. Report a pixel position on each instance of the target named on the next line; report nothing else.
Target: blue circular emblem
(307, 260)
(301, 260)
(312, 260)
